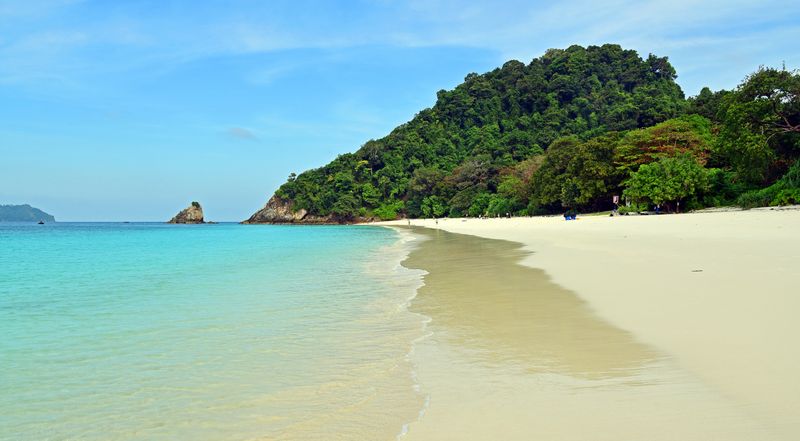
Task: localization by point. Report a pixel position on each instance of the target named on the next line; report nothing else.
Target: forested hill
(568, 130)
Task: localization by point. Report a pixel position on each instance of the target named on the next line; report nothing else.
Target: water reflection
(481, 300)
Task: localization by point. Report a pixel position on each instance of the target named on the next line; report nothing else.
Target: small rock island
(193, 214)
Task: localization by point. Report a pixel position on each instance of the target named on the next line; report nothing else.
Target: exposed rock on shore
(281, 211)
(277, 211)
(193, 214)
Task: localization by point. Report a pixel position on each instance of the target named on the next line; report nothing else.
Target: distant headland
(23, 213)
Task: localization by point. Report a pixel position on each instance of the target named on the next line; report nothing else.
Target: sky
(130, 110)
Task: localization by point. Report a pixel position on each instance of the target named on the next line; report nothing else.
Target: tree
(770, 99)
(370, 195)
(575, 174)
(707, 104)
(760, 129)
(345, 207)
(433, 206)
(667, 181)
(685, 135)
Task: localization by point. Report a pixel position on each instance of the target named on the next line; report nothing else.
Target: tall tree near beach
(760, 125)
(667, 181)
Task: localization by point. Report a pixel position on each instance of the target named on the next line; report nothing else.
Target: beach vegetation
(667, 182)
(687, 134)
(759, 132)
(786, 191)
(389, 210)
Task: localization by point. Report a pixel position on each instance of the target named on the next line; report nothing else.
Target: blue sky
(129, 110)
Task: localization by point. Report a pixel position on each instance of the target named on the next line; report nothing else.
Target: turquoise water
(164, 332)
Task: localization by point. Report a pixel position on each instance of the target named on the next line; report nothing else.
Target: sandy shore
(702, 308)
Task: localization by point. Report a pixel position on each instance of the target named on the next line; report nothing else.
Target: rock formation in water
(193, 214)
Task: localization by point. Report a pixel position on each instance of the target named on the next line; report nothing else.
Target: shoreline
(709, 291)
(407, 243)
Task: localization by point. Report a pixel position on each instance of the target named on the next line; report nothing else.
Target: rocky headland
(280, 211)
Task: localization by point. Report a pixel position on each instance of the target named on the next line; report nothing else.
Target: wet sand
(624, 342)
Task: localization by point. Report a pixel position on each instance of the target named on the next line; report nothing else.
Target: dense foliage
(667, 181)
(568, 130)
(783, 192)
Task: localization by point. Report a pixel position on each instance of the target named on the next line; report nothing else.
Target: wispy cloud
(107, 39)
(241, 133)
(269, 74)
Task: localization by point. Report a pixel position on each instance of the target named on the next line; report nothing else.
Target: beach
(633, 327)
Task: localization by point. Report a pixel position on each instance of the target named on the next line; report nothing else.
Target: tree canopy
(667, 181)
(567, 130)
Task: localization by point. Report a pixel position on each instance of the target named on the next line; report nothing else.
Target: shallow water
(149, 331)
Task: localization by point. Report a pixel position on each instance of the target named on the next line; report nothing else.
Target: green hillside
(566, 131)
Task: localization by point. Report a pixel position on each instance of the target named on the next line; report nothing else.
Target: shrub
(789, 196)
(724, 189)
(785, 191)
(632, 208)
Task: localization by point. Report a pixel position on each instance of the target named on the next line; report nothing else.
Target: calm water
(150, 331)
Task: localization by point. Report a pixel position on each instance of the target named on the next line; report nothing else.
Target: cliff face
(193, 214)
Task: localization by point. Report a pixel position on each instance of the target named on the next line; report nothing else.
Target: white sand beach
(716, 294)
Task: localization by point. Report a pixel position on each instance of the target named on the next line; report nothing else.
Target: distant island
(577, 129)
(23, 213)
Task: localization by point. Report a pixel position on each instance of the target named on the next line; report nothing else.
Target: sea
(148, 331)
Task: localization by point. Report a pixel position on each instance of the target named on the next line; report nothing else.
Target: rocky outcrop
(280, 211)
(193, 214)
